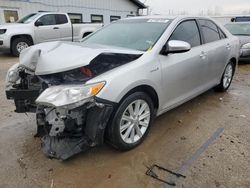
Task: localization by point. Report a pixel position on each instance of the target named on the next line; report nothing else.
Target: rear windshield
(239, 29)
(138, 34)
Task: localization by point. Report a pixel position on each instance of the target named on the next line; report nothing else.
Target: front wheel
(227, 78)
(19, 44)
(131, 122)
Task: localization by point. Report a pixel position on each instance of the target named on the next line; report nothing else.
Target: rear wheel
(227, 78)
(19, 44)
(131, 122)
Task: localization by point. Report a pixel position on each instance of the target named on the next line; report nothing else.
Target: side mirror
(176, 46)
(38, 23)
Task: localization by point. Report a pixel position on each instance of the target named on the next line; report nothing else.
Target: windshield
(239, 29)
(137, 34)
(29, 18)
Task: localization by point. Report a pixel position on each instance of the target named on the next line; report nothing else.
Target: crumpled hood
(55, 57)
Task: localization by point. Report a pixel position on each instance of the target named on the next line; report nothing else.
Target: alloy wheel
(135, 121)
(228, 75)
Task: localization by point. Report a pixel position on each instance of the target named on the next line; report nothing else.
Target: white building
(79, 10)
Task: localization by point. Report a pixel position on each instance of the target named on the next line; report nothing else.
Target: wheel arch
(234, 61)
(20, 36)
(149, 90)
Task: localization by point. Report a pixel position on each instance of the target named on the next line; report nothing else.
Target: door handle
(228, 46)
(56, 28)
(203, 55)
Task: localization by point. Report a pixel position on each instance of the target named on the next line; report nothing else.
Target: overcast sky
(199, 6)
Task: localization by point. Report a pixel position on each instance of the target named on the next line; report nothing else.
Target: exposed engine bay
(67, 123)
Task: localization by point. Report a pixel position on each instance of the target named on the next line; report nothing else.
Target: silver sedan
(111, 86)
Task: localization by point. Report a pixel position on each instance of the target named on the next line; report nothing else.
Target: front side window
(209, 30)
(49, 19)
(187, 31)
(138, 34)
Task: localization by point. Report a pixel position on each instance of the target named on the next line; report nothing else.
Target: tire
(19, 44)
(116, 137)
(226, 79)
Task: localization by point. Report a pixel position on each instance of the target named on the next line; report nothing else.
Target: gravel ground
(173, 139)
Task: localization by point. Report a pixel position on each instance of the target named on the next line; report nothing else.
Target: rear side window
(222, 34)
(210, 31)
(61, 19)
(187, 31)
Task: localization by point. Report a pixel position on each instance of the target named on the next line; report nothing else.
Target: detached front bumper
(74, 139)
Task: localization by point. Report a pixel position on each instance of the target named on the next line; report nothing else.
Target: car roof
(167, 17)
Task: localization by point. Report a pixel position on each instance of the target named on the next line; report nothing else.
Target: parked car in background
(242, 31)
(111, 86)
(42, 27)
(241, 19)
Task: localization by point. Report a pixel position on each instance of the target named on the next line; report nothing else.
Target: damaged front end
(66, 132)
(70, 118)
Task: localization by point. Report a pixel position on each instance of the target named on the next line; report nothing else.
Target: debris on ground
(157, 172)
(23, 166)
(21, 163)
(52, 183)
(243, 116)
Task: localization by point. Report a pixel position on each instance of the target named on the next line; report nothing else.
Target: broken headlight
(12, 76)
(64, 95)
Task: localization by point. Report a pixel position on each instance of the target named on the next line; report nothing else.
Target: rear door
(182, 73)
(218, 50)
(48, 30)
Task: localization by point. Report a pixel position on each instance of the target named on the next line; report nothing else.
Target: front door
(183, 72)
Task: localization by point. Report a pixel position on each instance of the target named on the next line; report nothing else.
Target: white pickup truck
(42, 27)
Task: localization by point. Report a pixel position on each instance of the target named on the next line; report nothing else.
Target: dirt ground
(173, 139)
